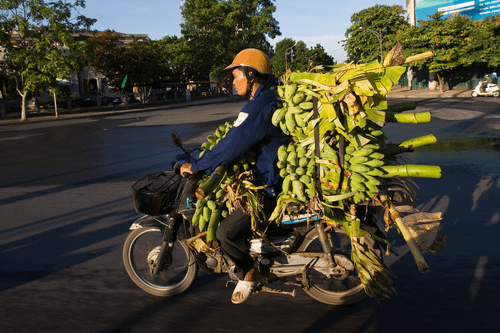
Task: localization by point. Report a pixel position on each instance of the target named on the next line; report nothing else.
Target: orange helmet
(253, 58)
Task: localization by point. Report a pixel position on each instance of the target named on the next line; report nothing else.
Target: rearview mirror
(177, 139)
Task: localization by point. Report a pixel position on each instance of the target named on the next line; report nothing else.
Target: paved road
(65, 208)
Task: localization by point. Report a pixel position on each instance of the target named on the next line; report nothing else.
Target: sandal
(245, 288)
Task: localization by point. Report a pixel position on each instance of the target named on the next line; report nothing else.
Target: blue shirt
(253, 129)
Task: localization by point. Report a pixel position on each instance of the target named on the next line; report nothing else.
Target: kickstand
(305, 280)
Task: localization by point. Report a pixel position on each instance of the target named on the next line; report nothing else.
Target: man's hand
(186, 169)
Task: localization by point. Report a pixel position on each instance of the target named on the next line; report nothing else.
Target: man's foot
(245, 287)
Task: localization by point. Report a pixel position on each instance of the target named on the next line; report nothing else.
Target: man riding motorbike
(494, 79)
(487, 81)
(252, 129)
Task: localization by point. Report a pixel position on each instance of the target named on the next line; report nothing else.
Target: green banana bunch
(213, 139)
(298, 171)
(363, 164)
(295, 110)
(215, 205)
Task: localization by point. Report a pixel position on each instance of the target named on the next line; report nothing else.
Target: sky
(311, 21)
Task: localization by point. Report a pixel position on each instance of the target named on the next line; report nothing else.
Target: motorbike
(491, 90)
(303, 252)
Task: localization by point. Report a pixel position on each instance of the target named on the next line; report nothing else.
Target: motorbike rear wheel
(332, 291)
(139, 254)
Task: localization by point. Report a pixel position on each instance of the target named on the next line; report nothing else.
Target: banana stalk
(415, 251)
(411, 170)
(411, 144)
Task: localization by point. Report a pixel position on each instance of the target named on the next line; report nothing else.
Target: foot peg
(265, 289)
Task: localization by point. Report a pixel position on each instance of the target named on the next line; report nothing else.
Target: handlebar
(177, 171)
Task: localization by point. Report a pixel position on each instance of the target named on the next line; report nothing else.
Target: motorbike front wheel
(140, 251)
(473, 94)
(340, 291)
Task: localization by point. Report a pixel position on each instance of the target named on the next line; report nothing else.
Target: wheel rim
(143, 247)
(340, 243)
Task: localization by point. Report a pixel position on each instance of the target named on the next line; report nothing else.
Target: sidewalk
(14, 118)
(405, 92)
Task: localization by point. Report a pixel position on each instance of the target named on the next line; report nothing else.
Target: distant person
(487, 81)
(494, 79)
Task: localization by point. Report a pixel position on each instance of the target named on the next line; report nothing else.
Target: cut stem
(411, 170)
(415, 251)
(411, 144)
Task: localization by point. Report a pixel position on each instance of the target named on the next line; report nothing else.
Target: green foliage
(457, 42)
(297, 57)
(361, 44)
(37, 42)
(141, 61)
(216, 30)
(172, 54)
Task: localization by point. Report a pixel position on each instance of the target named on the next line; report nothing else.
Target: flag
(124, 81)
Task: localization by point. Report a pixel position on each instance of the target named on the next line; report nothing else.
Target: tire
(144, 243)
(334, 291)
(496, 94)
(474, 94)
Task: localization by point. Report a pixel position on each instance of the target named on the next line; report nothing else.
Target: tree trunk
(23, 106)
(441, 81)
(409, 74)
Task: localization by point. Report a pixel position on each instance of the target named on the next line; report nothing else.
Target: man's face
(240, 82)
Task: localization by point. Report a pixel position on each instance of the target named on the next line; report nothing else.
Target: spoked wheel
(345, 289)
(140, 251)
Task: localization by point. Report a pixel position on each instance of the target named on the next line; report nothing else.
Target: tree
(483, 42)
(137, 60)
(363, 45)
(36, 37)
(447, 37)
(297, 57)
(216, 30)
(172, 53)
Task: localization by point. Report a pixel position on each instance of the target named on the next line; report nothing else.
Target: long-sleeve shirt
(252, 129)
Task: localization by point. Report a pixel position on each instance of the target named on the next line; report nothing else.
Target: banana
(360, 168)
(212, 225)
(374, 163)
(278, 116)
(365, 151)
(290, 90)
(295, 110)
(307, 106)
(358, 160)
(287, 184)
(298, 98)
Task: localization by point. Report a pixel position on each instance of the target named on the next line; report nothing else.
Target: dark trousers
(234, 233)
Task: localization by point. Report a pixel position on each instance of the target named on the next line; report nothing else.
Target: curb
(106, 111)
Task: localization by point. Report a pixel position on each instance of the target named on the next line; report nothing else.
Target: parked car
(105, 101)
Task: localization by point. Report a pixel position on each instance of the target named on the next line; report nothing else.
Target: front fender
(148, 221)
